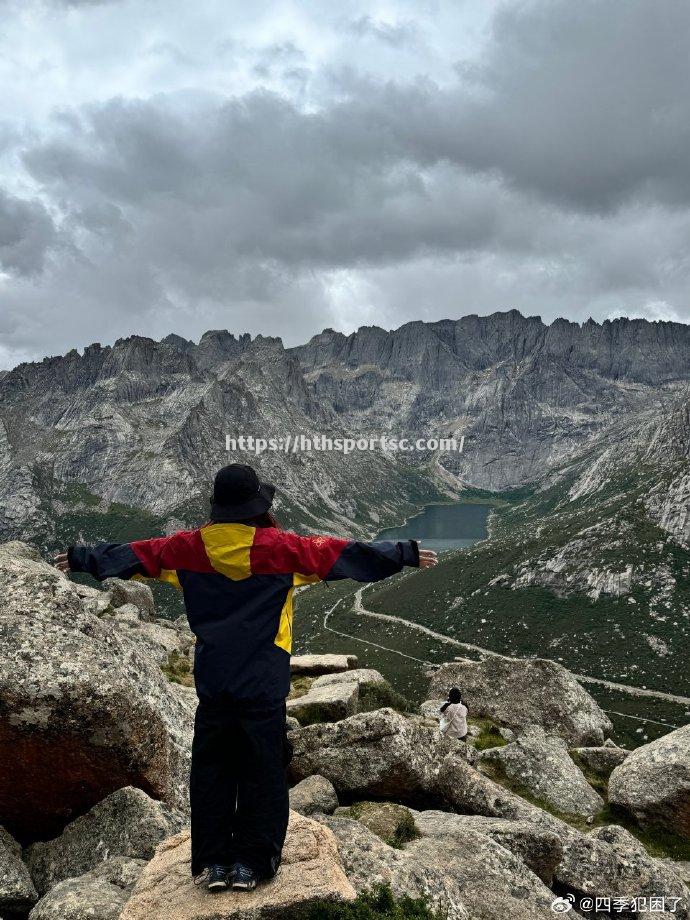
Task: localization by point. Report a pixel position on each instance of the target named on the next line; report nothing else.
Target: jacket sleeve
(147, 558)
(329, 558)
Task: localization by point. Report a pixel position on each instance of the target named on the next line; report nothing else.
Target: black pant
(238, 787)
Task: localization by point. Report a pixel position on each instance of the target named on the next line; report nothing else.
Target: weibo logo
(563, 905)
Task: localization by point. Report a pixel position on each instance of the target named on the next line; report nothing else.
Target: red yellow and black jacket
(238, 583)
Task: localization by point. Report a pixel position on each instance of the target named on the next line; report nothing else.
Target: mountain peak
(177, 341)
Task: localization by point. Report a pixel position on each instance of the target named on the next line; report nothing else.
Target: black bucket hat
(238, 494)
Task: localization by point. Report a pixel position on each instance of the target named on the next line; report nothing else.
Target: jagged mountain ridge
(524, 394)
(142, 423)
(636, 350)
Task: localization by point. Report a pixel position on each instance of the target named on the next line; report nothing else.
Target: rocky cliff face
(524, 394)
(622, 349)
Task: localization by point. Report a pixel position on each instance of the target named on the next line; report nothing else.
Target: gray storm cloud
(549, 173)
(26, 233)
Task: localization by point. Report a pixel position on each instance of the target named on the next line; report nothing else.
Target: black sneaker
(218, 879)
(242, 878)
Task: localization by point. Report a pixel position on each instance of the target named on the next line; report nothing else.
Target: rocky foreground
(96, 713)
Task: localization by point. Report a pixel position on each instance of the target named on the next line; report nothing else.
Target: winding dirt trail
(361, 610)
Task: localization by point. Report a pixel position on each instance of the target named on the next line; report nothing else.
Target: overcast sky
(281, 167)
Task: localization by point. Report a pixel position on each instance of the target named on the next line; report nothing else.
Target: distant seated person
(454, 716)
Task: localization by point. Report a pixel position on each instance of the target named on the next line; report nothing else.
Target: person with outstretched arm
(238, 574)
